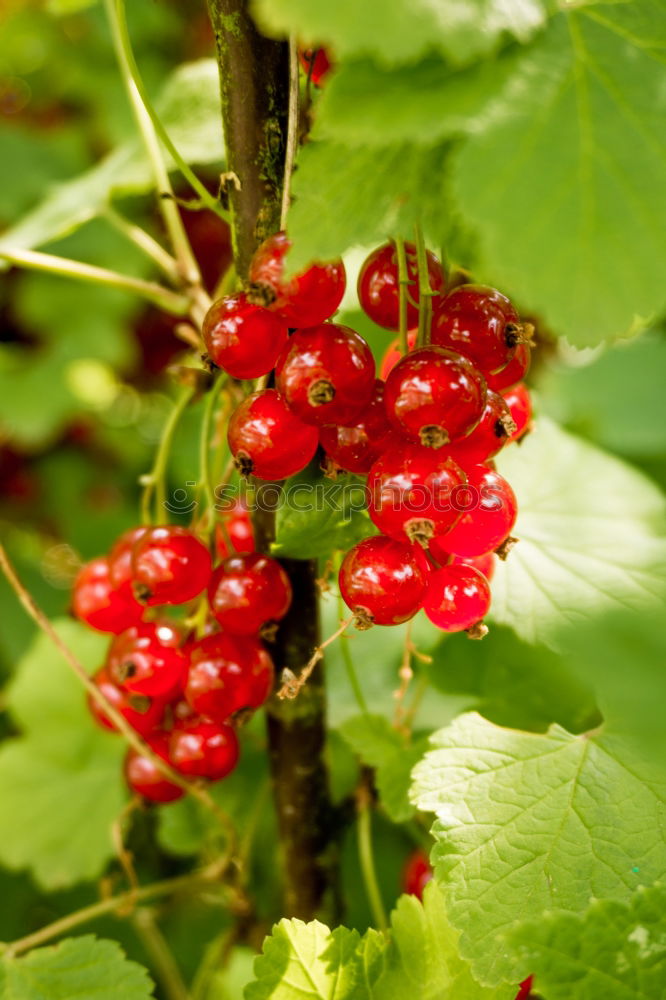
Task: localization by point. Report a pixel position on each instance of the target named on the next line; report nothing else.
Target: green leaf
(62, 779)
(528, 822)
(317, 515)
(514, 684)
(591, 536)
(398, 31)
(189, 109)
(564, 179)
(611, 952)
(83, 967)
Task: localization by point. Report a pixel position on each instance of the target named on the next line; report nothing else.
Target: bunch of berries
(185, 691)
(425, 433)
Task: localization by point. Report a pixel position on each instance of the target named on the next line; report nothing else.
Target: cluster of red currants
(424, 434)
(184, 690)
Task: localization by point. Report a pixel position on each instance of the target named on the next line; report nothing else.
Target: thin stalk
(166, 967)
(170, 213)
(367, 861)
(425, 291)
(155, 481)
(34, 260)
(403, 282)
(87, 913)
(144, 242)
(349, 666)
(292, 129)
(204, 442)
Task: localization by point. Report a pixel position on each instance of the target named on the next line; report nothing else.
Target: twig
(161, 955)
(425, 291)
(403, 283)
(124, 856)
(291, 684)
(145, 243)
(366, 857)
(292, 129)
(154, 481)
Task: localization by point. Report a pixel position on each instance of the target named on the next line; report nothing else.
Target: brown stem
(254, 83)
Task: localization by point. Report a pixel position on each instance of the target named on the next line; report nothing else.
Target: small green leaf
(528, 822)
(84, 967)
(610, 952)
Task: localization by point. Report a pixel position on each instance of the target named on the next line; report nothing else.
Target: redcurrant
(308, 298)
(393, 354)
(417, 873)
(379, 287)
(480, 323)
(227, 674)
(234, 531)
(147, 659)
(143, 713)
(485, 564)
(267, 439)
(145, 778)
(457, 598)
(383, 581)
(120, 560)
(519, 402)
(316, 63)
(96, 601)
(492, 432)
(203, 749)
(248, 591)
(242, 338)
(326, 374)
(354, 449)
(489, 509)
(170, 566)
(435, 396)
(412, 493)
(514, 372)
(525, 989)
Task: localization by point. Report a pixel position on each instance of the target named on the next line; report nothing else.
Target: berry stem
(292, 685)
(161, 956)
(155, 481)
(403, 282)
(144, 242)
(349, 666)
(425, 291)
(205, 445)
(33, 260)
(366, 855)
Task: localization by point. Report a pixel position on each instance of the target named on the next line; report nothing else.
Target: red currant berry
(416, 873)
(170, 566)
(227, 674)
(316, 63)
(147, 659)
(435, 396)
(514, 372)
(383, 581)
(394, 354)
(267, 439)
(489, 509)
(525, 989)
(96, 602)
(379, 288)
(519, 402)
(247, 591)
(203, 749)
(485, 564)
(121, 572)
(354, 449)
(412, 493)
(326, 374)
(234, 532)
(243, 339)
(143, 714)
(480, 323)
(492, 432)
(457, 598)
(145, 778)
(308, 298)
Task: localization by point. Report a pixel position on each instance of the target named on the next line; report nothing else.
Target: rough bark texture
(254, 77)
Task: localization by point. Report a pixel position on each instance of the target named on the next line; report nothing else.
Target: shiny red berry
(519, 402)
(379, 289)
(326, 374)
(233, 532)
(457, 597)
(227, 674)
(435, 396)
(480, 323)
(525, 989)
(383, 581)
(489, 509)
(412, 493)
(394, 354)
(248, 591)
(145, 778)
(514, 372)
(242, 338)
(170, 566)
(485, 564)
(147, 659)
(267, 439)
(354, 449)
(316, 63)
(143, 713)
(200, 748)
(96, 601)
(492, 432)
(307, 298)
(416, 873)
(120, 560)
